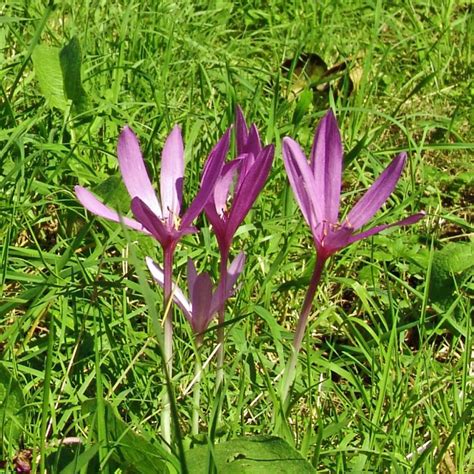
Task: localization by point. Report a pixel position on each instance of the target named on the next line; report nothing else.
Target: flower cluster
(227, 192)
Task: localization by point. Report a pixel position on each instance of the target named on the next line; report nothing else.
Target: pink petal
(377, 194)
(92, 204)
(326, 163)
(413, 219)
(212, 171)
(133, 170)
(302, 182)
(201, 302)
(178, 295)
(172, 172)
(192, 275)
(225, 181)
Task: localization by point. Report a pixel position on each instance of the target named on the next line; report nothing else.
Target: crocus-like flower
(240, 182)
(159, 217)
(203, 302)
(317, 188)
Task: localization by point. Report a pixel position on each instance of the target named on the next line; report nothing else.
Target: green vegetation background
(386, 373)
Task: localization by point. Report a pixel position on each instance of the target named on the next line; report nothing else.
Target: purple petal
(222, 188)
(218, 223)
(133, 170)
(326, 163)
(201, 302)
(254, 144)
(249, 190)
(377, 194)
(192, 275)
(247, 160)
(211, 174)
(152, 223)
(302, 182)
(375, 230)
(172, 172)
(178, 295)
(92, 204)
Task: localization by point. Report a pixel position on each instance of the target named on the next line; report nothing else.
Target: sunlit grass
(385, 372)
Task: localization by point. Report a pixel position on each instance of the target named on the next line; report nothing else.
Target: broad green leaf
(130, 450)
(249, 455)
(451, 264)
(48, 71)
(12, 418)
(59, 74)
(70, 60)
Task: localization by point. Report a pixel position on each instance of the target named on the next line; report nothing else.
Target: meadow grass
(385, 375)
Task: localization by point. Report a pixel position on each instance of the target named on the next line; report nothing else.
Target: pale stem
(289, 374)
(221, 319)
(197, 386)
(168, 339)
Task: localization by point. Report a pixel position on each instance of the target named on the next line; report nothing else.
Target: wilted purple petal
(201, 299)
(133, 170)
(326, 163)
(377, 194)
(191, 276)
(210, 176)
(178, 295)
(92, 204)
(172, 172)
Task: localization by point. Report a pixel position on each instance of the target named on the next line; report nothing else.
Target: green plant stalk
(197, 386)
(289, 374)
(104, 452)
(221, 321)
(46, 393)
(167, 340)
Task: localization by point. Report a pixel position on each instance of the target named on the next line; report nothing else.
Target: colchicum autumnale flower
(237, 188)
(160, 218)
(203, 302)
(317, 189)
(239, 184)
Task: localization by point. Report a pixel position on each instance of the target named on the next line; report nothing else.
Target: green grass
(386, 372)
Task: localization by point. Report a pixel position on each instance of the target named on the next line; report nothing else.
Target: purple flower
(317, 188)
(203, 302)
(240, 182)
(160, 218)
